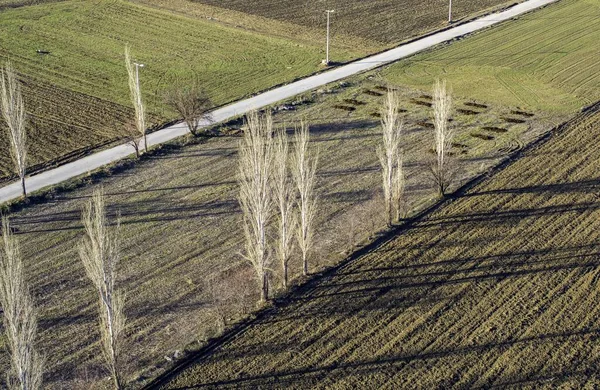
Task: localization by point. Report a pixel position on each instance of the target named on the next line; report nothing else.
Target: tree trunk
(145, 143)
(285, 276)
(264, 293)
(304, 265)
(23, 186)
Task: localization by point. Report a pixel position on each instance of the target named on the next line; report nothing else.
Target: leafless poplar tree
(136, 97)
(13, 111)
(19, 317)
(190, 101)
(99, 252)
(389, 154)
(256, 199)
(304, 168)
(284, 198)
(442, 107)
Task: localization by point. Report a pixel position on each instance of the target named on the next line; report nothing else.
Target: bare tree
(133, 137)
(256, 199)
(284, 197)
(136, 97)
(304, 168)
(20, 321)
(389, 157)
(13, 111)
(442, 107)
(99, 252)
(191, 102)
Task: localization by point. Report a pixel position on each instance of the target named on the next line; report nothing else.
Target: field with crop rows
(545, 60)
(379, 21)
(499, 287)
(180, 239)
(86, 40)
(63, 123)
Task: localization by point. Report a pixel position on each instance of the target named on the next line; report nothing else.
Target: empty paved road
(99, 159)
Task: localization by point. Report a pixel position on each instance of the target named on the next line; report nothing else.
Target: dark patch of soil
(421, 103)
(522, 113)
(476, 105)
(467, 112)
(512, 120)
(494, 129)
(345, 108)
(354, 102)
(484, 137)
(372, 93)
(426, 125)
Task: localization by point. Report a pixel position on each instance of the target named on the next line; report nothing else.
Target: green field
(547, 60)
(497, 288)
(87, 39)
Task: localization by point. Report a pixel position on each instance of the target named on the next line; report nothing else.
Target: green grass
(86, 65)
(87, 38)
(547, 60)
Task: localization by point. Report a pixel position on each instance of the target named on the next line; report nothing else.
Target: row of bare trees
(187, 99)
(99, 253)
(20, 323)
(277, 192)
(390, 151)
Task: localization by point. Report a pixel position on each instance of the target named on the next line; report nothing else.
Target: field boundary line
(308, 285)
(102, 158)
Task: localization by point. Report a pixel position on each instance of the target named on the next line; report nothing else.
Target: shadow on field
(338, 127)
(129, 213)
(389, 365)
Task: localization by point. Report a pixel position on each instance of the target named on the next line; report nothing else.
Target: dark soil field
(380, 21)
(63, 124)
(498, 287)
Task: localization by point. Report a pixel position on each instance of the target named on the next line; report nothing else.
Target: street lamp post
(137, 75)
(329, 11)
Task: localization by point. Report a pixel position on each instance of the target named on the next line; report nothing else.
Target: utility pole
(450, 12)
(329, 11)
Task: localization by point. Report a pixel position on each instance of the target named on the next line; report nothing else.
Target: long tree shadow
(309, 376)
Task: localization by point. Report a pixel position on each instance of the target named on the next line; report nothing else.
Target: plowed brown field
(497, 288)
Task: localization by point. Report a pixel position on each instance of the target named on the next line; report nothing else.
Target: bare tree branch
(13, 111)
(284, 197)
(389, 156)
(190, 101)
(443, 135)
(256, 199)
(304, 168)
(99, 252)
(20, 321)
(133, 137)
